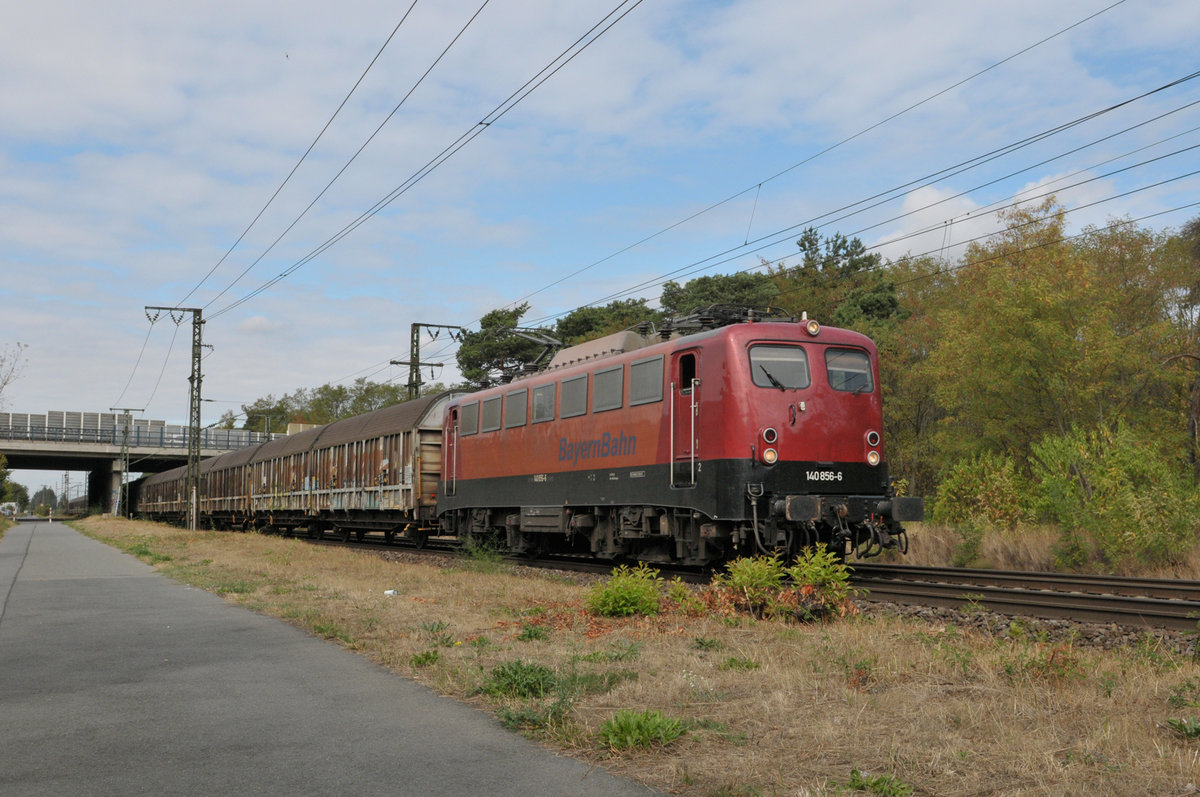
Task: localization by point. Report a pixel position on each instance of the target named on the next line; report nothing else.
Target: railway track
(1155, 603)
(1151, 603)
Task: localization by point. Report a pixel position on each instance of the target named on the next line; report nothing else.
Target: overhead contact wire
(346, 99)
(814, 156)
(497, 113)
(354, 157)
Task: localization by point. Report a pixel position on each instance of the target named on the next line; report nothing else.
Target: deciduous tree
(485, 356)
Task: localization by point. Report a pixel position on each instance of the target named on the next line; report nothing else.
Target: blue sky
(138, 140)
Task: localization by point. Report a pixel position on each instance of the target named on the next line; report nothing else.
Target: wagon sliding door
(685, 417)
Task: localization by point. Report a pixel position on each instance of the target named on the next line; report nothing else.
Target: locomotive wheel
(343, 534)
(359, 534)
(419, 538)
(314, 531)
(389, 536)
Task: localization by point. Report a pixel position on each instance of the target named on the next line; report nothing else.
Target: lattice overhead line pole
(415, 364)
(193, 476)
(127, 421)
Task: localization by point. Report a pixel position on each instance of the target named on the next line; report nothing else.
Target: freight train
(731, 435)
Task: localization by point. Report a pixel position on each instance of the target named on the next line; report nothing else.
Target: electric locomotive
(742, 435)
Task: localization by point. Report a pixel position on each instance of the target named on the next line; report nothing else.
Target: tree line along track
(1154, 603)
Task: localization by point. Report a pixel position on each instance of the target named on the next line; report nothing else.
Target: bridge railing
(139, 436)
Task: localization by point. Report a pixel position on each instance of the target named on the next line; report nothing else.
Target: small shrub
(575, 683)
(1121, 492)
(519, 679)
(621, 650)
(531, 632)
(970, 543)
(756, 581)
(628, 729)
(707, 643)
(1188, 728)
(425, 658)
(984, 490)
(738, 664)
(821, 569)
(683, 597)
(1057, 662)
(535, 718)
(627, 592)
(883, 785)
(817, 585)
(1185, 695)
(482, 555)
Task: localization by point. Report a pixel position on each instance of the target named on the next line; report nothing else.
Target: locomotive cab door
(685, 417)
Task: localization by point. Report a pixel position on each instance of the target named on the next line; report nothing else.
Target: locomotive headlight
(872, 458)
(812, 327)
(770, 456)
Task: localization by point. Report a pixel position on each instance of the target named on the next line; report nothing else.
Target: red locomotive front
(744, 438)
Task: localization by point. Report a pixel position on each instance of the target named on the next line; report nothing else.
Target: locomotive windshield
(849, 370)
(782, 367)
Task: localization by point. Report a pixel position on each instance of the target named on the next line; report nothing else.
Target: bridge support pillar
(104, 486)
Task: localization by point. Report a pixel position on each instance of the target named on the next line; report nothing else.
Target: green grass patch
(425, 658)
(628, 729)
(142, 551)
(519, 679)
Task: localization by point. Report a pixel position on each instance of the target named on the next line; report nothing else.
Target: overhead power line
(854, 208)
(531, 85)
(757, 187)
(342, 105)
(353, 157)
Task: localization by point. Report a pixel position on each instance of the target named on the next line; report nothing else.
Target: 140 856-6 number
(823, 475)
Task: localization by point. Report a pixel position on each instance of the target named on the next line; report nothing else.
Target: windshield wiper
(774, 382)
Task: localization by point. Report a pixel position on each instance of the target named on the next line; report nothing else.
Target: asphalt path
(115, 680)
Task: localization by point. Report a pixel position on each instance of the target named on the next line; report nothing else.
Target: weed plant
(628, 591)
(519, 679)
(628, 729)
(882, 785)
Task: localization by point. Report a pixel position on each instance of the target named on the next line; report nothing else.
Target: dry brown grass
(771, 708)
(1026, 548)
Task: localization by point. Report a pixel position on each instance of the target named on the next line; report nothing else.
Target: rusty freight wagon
(373, 473)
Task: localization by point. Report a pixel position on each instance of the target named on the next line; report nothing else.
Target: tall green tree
(908, 379)
(744, 289)
(1183, 256)
(837, 281)
(485, 356)
(43, 500)
(588, 323)
(17, 494)
(1040, 337)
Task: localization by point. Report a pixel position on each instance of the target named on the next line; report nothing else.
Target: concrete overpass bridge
(96, 442)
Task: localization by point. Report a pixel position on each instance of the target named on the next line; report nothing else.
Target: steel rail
(1157, 603)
